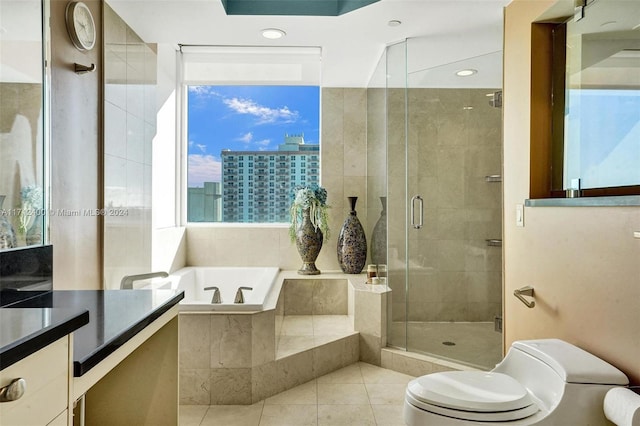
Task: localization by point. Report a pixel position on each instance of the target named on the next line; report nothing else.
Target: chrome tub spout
(127, 280)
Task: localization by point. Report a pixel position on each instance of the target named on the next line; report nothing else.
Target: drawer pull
(13, 391)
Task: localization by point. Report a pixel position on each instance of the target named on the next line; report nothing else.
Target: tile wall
(130, 70)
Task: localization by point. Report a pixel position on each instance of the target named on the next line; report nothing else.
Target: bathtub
(194, 279)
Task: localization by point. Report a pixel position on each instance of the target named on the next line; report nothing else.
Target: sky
(245, 118)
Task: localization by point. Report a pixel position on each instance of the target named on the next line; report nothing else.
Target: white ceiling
(352, 44)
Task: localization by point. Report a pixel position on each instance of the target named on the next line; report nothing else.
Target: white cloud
(203, 168)
(246, 138)
(262, 113)
(204, 91)
(264, 142)
(201, 147)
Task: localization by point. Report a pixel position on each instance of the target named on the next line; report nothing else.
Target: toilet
(539, 382)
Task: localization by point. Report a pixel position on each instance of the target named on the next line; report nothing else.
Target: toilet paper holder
(525, 291)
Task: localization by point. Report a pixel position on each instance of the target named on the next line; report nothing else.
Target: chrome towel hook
(525, 291)
(83, 69)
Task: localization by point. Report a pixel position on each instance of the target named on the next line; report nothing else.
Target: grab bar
(239, 296)
(216, 294)
(127, 280)
(525, 291)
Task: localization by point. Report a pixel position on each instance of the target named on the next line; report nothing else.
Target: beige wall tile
(298, 297)
(295, 370)
(370, 348)
(334, 355)
(329, 297)
(231, 386)
(263, 337)
(195, 385)
(231, 345)
(195, 341)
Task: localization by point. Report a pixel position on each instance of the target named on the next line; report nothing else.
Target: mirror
(602, 97)
(21, 124)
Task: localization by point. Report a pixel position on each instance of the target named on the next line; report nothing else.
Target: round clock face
(82, 29)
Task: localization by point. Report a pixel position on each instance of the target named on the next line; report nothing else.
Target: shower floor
(472, 343)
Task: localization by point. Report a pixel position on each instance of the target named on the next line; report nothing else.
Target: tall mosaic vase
(308, 242)
(379, 236)
(352, 243)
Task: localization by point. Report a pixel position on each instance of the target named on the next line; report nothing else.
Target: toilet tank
(545, 367)
(572, 364)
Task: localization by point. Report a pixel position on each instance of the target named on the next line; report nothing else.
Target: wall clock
(80, 25)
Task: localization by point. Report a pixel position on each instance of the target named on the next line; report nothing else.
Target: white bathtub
(193, 281)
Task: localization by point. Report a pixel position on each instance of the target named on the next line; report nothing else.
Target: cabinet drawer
(46, 373)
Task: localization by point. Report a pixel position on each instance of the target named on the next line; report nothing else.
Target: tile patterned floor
(360, 394)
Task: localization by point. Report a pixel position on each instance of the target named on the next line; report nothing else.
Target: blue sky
(245, 118)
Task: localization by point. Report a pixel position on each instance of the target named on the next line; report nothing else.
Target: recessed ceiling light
(394, 23)
(273, 33)
(466, 73)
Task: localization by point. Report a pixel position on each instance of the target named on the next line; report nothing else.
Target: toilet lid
(476, 391)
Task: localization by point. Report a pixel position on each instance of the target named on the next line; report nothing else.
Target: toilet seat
(471, 395)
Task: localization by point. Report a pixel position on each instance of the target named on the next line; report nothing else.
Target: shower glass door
(444, 158)
(397, 196)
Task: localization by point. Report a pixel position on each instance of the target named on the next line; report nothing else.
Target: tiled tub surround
(317, 325)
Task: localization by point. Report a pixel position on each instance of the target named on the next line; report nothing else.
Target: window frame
(548, 64)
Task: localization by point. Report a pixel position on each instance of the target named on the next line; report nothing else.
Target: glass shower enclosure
(435, 153)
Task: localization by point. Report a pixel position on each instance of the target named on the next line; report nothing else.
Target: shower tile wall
(129, 128)
(454, 139)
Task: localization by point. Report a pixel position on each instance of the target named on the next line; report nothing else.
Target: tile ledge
(432, 360)
(621, 201)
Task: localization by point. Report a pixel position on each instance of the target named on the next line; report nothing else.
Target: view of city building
(256, 185)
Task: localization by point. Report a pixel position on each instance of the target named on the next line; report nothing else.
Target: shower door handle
(419, 224)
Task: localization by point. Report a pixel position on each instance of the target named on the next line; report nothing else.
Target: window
(591, 146)
(248, 112)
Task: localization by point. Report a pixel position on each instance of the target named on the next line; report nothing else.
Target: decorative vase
(352, 243)
(7, 233)
(379, 236)
(308, 242)
(34, 234)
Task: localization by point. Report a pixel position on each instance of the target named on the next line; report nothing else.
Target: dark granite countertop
(26, 331)
(115, 316)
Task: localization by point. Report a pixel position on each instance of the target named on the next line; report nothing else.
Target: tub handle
(239, 296)
(216, 294)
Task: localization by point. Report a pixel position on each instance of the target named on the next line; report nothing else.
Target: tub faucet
(240, 296)
(216, 294)
(127, 280)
